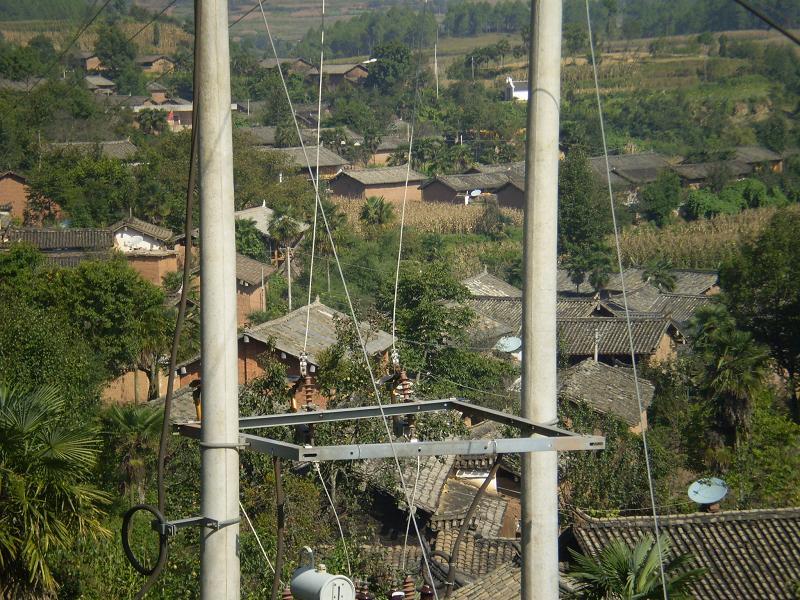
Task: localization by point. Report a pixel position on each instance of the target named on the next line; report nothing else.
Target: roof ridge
(737, 515)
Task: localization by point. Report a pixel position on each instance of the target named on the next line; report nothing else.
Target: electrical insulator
(395, 358)
(308, 390)
(409, 588)
(315, 583)
(405, 386)
(397, 595)
(287, 594)
(303, 363)
(426, 593)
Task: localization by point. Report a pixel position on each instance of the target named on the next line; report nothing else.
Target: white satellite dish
(708, 491)
(475, 193)
(508, 344)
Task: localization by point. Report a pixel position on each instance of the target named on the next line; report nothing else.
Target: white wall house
(516, 90)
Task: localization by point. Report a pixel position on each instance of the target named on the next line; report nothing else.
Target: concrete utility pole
(219, 495)
(539, 469)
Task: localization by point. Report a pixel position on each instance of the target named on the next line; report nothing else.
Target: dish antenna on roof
(475, 193)
(708, 492)
(508, 344)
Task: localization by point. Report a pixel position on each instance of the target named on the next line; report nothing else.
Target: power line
(151, 21)
(645, 446)
(75, 38)
(768, 20)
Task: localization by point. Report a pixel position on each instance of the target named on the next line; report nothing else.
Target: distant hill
(25, 10)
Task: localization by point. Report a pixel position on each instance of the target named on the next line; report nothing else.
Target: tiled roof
(702, 171)
(73, 259)
(433, 474)
(327, 158)
(755, 154)
(606, 389)
(252, 271)
(517, 168)
(384, 175)
(60, 239)
(454, 503)
(611, 335)
(263, 216)
(151, 58)
(694, 281)
(750, 554)
(637, 168)
(477, 555)
(119, 149)
(288, 332)
(264, 136)
(485, 284)
(98, 81)
(486, 182)
(504, 310)
(598, 166)
(337, 69)
(504, 583)
(680, 307)
(154, 231)
(687, 281)
(390, 143)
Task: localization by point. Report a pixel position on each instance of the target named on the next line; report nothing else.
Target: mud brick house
(330, 163)
(148, 248)
(62, 247)
(155, 64)
(454, 188)
(388, 182)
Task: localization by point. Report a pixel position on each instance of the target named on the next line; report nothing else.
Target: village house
(251, 276)
(388, 182)
(62, 247)
(90, 62)
(97, 84)
(295, 66)
(388, 146)
(512, 193)
(262, 216)
(148, 248)
(760, 158)
(745, 553)
(155, 64)
(699, 175)
(336, 75)
(13, 197)
(515, 90)
(330, 163)
(123, 150)
(607, 389)
(454, 189)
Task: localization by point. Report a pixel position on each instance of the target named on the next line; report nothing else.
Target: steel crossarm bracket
(433, 448)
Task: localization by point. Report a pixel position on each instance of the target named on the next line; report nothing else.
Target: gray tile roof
(95, 81)
(389, 143)
(119, 149)
(680, 307)
(755, 154)
(60, 239)
(504, 583)
(264, 136)
(252, 271)
(578, 335)
(702, 171)
(384, 175)
(151, 58)
(687, 281)
(505, 310)
(749, 554)
(329, 69)
(73, 259)
(155, 231)
(262, 216)
(327, 158)
(638, 168)
(517, 168)
(486, 182)
(606, 389)
(288, 332)
(477, 555)
(454, 503)
(694, 281)
(486, 284)
(433, 474)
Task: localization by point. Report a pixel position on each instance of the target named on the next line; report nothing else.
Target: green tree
(392, 69)
(662, 197)
(600, 266)
(493, 222)
(250, 241)
(376, 211)
(114, 50)
(135, 430)
(584, 216)
(284, 230)
(47, 500)
(623, 573)
(152, 121)
(762, 291)
(658, 272)
(732, 371)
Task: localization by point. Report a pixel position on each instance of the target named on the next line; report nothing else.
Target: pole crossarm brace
(535, 436)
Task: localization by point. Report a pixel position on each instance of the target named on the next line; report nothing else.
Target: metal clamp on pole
(242, 443)
(171, 527)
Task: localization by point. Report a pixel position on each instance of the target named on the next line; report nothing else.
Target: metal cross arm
(535, 437)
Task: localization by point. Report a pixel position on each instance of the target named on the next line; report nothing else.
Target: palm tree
(46, 500)
(376, 211)
(284, 230)
(659, 272)
(136, 429)
(622, 573)
(733, 368)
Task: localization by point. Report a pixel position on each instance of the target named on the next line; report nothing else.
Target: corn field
(702, 244)
(430, 217)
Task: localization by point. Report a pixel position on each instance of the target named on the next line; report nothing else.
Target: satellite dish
(508, 344)
(708, 491)
(475, 193)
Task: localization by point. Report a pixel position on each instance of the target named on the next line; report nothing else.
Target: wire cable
(645, 445)
(358, 331)
(258, 539)
(74, 39)
(769, 21)
(151, 21)
(336, 516)
(411, 509)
